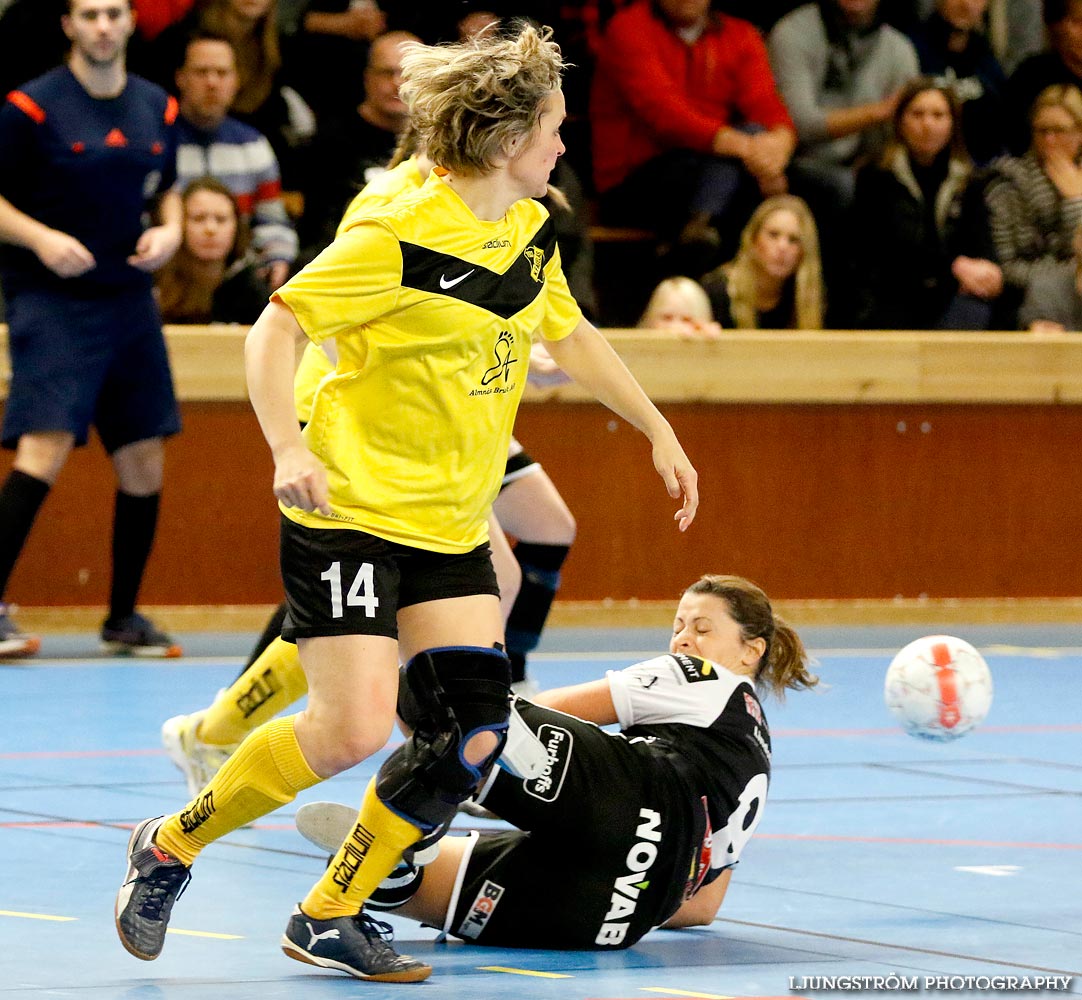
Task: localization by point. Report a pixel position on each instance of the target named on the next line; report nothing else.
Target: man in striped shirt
(212, 143)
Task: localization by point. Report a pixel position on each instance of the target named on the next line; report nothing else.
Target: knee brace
(447, 696)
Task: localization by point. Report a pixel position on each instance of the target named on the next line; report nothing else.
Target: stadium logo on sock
(354, 851)
(263, 688)
(198, 813)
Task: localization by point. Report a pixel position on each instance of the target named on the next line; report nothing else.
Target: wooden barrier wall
(833, 465)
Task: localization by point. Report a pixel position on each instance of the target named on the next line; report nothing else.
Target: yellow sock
(270, 685)
(367, 857)
(267, 771)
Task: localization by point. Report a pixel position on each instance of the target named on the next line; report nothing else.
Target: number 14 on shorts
(361, 594)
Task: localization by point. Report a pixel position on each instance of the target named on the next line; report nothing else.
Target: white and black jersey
(621, 828)
(709, 724)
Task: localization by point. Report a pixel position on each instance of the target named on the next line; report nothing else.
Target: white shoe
(198, 761)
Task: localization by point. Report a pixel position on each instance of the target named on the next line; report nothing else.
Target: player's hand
(155, 247)
(64, 255)
(681, 479)
(300, 480)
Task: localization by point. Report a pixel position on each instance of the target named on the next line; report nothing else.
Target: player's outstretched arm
(588, 358)
(591, 701)
(269, 361)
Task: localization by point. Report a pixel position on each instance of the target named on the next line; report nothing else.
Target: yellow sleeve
(354, 281)
(562, 312)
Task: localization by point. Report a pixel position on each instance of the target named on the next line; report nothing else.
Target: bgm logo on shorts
(558, 743)
(484, 905)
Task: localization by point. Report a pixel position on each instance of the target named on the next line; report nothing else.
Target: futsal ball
(938, 687)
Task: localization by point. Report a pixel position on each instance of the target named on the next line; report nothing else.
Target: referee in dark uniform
(84, 151)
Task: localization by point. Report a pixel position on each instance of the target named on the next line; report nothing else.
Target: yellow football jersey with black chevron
(434, 312)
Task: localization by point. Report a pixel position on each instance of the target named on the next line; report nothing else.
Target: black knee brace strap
(447, 696)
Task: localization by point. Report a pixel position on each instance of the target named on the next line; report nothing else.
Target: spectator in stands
(1035, 200)
(952, 47)
(679, 305)
(926, 260)
(355, 148)
(1016, 31)
(1061, 64)
(332, 41)
(688, 129)
(775, 281)
(213, 278)
(212, 143)
(1055, 305)
(262, 100)
(839, 68)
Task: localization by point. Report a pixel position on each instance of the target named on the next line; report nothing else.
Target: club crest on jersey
(694, 669)
(484, 905)
(536, 256)
(753, 707)
(558, 743)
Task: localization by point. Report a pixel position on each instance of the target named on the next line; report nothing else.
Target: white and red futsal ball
(938, 687)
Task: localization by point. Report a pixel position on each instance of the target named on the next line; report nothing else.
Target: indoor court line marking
(47, 754)
(129, 661)
(1063, 727)
(685, 993)
(524, 972)
(898, 947)
(918, 841)
(205, 934)
(35, 916)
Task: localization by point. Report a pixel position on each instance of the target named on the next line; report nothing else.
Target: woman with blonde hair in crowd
(680, 305)
(922, 254)
(1035, 200)
(213, 277)
(775, 281)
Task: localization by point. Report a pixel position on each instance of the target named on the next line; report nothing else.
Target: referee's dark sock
(21, 498)
(540, 581)
(135, 520)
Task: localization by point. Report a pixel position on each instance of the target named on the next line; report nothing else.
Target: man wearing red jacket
(688, 127)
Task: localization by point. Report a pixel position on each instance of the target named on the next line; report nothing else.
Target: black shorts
(518, 466)
(340, 581)
(606, 817)
(77, 362)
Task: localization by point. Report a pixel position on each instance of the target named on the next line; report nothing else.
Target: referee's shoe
(152, 885)
(358, 945)
(136, 635)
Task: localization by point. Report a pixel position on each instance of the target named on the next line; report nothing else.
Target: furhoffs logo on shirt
(558, 743)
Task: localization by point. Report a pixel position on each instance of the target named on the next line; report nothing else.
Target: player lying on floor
(626, 831)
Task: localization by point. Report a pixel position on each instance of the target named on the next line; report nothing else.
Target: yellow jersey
(434, 312)
(380, 191)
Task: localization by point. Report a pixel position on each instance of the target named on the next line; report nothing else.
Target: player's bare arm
(588, 358)
(269, 359)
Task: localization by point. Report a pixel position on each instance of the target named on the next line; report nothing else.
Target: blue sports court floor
(878, 854)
